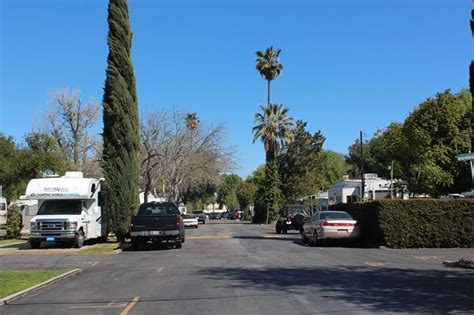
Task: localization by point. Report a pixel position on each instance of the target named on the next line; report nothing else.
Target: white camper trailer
(71, 209)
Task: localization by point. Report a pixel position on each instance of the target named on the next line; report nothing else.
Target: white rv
(71, 209)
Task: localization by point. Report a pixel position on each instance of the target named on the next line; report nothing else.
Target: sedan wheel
(304, 238)
(316, 240)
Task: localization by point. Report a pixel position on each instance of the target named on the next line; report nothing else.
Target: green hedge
(415, 223)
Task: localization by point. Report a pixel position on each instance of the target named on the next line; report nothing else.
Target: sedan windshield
(61, 207)
(335, 216)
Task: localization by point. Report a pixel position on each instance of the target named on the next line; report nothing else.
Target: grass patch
(12, 281)
(100, 249)
(8, 242)
(461, 263)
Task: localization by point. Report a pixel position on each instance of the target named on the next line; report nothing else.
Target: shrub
(13, 226)
(415, 223)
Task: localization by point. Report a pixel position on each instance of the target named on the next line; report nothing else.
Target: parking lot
(248, 269)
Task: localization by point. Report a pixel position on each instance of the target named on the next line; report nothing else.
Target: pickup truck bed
(157, 222)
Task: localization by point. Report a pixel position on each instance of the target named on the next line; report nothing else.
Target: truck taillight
(178, 222)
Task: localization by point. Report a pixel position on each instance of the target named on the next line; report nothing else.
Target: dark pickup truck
(157, 222)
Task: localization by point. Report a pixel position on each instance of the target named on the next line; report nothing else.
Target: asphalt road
(247, 269)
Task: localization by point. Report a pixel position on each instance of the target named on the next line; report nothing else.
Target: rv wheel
(79, 239)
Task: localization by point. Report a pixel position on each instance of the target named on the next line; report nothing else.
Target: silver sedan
(330, 225)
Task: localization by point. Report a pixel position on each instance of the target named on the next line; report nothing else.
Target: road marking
(143, 268)
(161, 269)
(130, 305)
(272, 236)
(95, 263)
(109, 305)
(425, 258)
(374, 264)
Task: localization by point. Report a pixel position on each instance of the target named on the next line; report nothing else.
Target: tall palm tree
(269, 66)
(192, 121)
(274, 128)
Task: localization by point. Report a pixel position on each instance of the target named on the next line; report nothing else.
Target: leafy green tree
(299, 166)
(200, 195)
(8, 160)
(227, 192)
(13, 226)
(121, 122)
(246, 194)
(332, 166)
(20, 164)
(274, 128)
(436, 131)
(269, 66)
(384, 147)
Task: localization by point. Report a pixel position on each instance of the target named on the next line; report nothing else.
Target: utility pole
(362, 168)
(391, 180)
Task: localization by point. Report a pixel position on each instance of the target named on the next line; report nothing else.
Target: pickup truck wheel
(278, 228)
(178, 244)
(35, 244)
(135, 243)
(79, 239)
(284, 228)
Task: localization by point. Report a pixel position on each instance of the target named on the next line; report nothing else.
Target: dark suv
(292, 217)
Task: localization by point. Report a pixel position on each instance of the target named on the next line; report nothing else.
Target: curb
(26, 291)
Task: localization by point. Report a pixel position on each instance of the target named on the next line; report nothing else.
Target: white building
(318, 202)
(349, 190)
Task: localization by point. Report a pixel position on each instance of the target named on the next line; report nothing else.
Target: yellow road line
(130, 305)
(272, 236)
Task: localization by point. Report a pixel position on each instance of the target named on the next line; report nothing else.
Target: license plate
(342, 231)
(50, 239)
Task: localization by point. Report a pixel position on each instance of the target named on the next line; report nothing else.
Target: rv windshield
(61, 207)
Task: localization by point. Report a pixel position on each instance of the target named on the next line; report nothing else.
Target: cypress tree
(121, 123)
(471, 86)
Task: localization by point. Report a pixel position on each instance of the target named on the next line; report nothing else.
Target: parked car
(215, 216)
(330, 225)
(190, 220)
(201, 216)
(236, 214)
(157, 222)
(292, 217)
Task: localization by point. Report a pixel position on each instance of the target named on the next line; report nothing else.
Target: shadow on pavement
(381, 289)
(150, 247)
(266, 238)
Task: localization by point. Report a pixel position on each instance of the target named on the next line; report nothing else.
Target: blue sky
(348, 65)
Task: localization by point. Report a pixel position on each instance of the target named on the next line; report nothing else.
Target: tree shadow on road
(264, 237)
(378, 289)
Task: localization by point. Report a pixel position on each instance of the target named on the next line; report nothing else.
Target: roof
(61, 188)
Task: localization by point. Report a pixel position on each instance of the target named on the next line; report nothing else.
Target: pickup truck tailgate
(153, 223)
